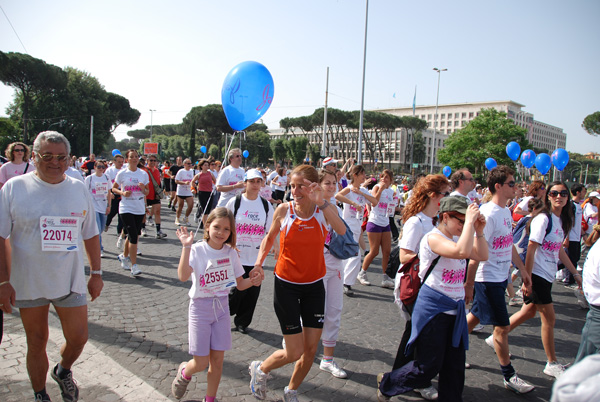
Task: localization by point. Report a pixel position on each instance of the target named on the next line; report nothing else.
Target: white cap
(594, 194)
(253, 174)
(328, 161)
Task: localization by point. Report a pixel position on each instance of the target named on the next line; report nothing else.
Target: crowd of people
(463, 234)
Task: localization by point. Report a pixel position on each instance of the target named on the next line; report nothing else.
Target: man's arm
(92, 249)
(7, 292)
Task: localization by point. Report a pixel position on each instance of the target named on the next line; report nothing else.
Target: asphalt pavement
(138, 336)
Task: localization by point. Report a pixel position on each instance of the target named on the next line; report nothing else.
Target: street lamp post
(439, 71)
(362, 99)
(151, 115)
(581, 169)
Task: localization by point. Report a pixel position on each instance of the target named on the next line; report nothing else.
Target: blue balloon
(490, 163)
(560, 158)
(528, 158)
(203, 149)
(543, 163)
(246, 153)
(447, 171)
(247, 94)
(513, 150)
(116, 152)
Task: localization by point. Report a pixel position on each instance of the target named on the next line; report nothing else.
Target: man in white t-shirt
(573, 242)
(252, 223)
(489, 278)
(462, 183)
(231, 179)
(49, 239)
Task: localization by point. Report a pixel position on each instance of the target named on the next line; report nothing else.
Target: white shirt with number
(251, 226)
(499, 237)
(99, 188)
(545, 263)
(185, 176)
(379, 214)
(129, 181)
(25, 201)
(214, 271)
(354, 216)
(228, 177)
(591, 276)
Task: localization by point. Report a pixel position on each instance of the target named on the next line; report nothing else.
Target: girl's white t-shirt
(448, 276)
(379, 213)
(98, 188)
(351, 214)
(413, 231)
(591, 276)
(524, 202)
(588, 210)
(129, 181)
(281, 183)
(545, 263)
(201, 256)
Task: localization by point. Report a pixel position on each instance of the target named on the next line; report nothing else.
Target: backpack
(238, 201)
(410, 283)
(521, 237)
(393, 262)
(343, 247)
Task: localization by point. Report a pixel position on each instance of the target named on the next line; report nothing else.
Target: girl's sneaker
(258, 380)
(290, 395)
(135, 270)
(180, 384)
(125, 262)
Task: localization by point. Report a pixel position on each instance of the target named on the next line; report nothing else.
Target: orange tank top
(301, 243)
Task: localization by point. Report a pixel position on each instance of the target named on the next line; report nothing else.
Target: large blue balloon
(246, 153)
(247, 94)
(490, 163)
(513, 150)
(560, 158)
(528, 158)
(447, 171)
(116, 152)
(203, 149)
(543, 163)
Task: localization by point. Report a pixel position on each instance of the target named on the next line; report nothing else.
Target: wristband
(325, 205)
(4, 283)
(479, 236)
(187, 246)
(97, 272)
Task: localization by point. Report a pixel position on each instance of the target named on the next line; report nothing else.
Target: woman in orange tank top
(299, 295)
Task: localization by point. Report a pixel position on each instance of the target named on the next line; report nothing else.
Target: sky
(172, 56)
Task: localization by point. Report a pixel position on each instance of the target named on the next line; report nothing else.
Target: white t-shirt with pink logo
(448, 275)
(545, 262)
(498, 234)
(379, 213)
(129, 181)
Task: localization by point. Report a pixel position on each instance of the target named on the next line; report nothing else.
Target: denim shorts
(71, 300)
(489, 305)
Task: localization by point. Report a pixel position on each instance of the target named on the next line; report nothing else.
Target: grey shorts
(71, 300)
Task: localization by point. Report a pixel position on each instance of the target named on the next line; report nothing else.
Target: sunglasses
(562, 193)
(458, 219)
(49, 157)
(446, 194)
(237, 156)
(18, 150)
(152, 160)
(510, 184)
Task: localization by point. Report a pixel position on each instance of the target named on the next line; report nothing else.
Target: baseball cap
(253, 174)
(594, 194)
(454, 204)
(328, 161)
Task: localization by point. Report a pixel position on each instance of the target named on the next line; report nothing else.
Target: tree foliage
(591, 123)
(484, 137)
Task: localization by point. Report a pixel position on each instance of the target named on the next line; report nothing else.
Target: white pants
(334, 300)
(353, 265)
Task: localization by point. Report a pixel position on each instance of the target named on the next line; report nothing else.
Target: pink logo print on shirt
(551, 246)
(453, 277)
(502, 242)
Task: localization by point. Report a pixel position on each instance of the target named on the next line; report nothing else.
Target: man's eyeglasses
(562, 193)
(49, 157)
(510, 184)
(152, 160)
(19, 150)
(237, 156)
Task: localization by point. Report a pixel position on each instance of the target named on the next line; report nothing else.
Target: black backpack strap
(266, 207)
(236, 205)
(433, 264)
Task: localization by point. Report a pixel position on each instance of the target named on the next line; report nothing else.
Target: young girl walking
(214, 266)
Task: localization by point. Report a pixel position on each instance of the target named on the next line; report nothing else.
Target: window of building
(456, 115)
(464, 115)
(463, 123)
(443, 124)
(456, 123)
(443, 115)
(470, 115)
(428, 117)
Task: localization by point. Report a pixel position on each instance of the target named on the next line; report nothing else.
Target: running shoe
(517, 385)
(362, 278)
(160, 234)
(45, 398)
(125, 262)
(120, 243)
(68, 386)
(348, 291)
(554, 369)
(490, 342)
(135, 270)
(180, 384)
(381, 397)
(290, 395)
(515, 301)
(186, 221)
(478, 328)
(144, 232)
(429, 393)
(258, 380)
(387, 282)
(333, 368)
(101, 253)
(177, 221)
(150, 221)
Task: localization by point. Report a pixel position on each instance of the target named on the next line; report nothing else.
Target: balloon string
(215, 189)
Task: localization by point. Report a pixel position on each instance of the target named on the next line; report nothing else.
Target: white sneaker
(101, 253)
(429, 393)
(518, 385)
(177, 221)
(490, 341)
(125, 262)
(290, 395)
(515, 301)
(139, 250)
(333, 368)
(478, 328)
(144, 232)
(362, 278)
(120, 243)
(135, 270)
(150, 221)
(186, 221)
(554, 369)
(387, 282)
(258, 380)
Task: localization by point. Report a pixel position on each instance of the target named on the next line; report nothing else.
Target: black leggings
(133, 226)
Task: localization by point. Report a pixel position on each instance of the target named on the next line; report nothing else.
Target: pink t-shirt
(10, 170)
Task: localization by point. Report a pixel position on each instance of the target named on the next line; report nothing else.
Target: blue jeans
(101, 221)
